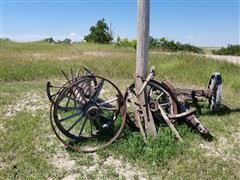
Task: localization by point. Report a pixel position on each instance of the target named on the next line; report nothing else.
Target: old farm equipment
(168, 104)
(89, 112)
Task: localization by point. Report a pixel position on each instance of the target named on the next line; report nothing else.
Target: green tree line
(161, 44)
(230, 50)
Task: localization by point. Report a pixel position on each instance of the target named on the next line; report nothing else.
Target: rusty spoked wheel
(157, 94)
(89, 114)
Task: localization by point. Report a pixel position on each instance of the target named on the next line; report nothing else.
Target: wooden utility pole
(142, 37)
(142, 61)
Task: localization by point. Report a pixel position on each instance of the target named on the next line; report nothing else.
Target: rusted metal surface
(183, 114)
(190, 118)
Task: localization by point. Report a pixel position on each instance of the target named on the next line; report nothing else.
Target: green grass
(20, 62)
(20, 152)
(28, 145)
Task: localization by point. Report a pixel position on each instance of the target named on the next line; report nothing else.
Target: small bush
(49, 40)
(126, 43)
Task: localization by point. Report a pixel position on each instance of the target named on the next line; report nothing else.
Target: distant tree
(99, 33)
(153, 43)
(49, 40)
(230, 50)
(5, 39)
(66, 41)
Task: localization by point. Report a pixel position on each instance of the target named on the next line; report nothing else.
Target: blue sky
(199, 22)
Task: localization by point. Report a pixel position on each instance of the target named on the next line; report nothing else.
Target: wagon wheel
(157, 95)
(88, 119)
(215, 89)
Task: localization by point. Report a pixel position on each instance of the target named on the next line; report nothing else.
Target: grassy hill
(29, 149)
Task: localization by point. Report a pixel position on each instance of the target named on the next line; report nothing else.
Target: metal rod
(150, 76)
(169, 123)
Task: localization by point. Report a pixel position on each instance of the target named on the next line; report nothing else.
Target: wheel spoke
(77, 73)
(151, 91)
(68, 108)
(164, 104)
(108, 108)
(84, 122)
(74, 100)
(52, 95)
(91, 131)
(75, 123)
(69, 98)
(159, 96)
(65, 75)
(72, 73)
(108, 101)
(71, 116)
(97, 91)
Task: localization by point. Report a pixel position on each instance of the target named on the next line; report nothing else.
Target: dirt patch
(40, 55)
(29, 102)
(96, 53)
(61, 160)
(228, 58)
(231, 59)
(74, 55)
(71, 177)
(99, 168)
(125, 169)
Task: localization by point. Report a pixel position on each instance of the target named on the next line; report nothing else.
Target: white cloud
(73, 34)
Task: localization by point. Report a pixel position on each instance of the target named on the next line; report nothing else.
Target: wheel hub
(92, 112)
(153, 106)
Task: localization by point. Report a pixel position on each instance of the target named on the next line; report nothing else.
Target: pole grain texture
(142, 61)
(142, 37)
